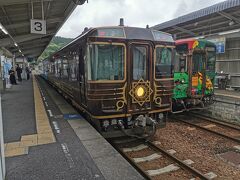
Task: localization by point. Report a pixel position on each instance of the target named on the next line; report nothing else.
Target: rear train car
(119, 77)
(194, 73)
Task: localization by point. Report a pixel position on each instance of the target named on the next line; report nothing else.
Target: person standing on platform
(19, 72)
(28, 72)
(12, 76)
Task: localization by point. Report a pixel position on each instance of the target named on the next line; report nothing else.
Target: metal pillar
(2, 156)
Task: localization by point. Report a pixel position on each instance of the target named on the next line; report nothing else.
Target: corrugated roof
(15, 16)
(200, 13)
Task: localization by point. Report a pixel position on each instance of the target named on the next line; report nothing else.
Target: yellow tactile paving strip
(44, 131)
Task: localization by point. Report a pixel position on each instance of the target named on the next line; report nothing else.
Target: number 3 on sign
(38, 26)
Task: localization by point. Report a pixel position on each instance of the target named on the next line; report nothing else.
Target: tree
(56, 44)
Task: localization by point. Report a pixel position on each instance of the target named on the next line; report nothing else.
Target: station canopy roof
(15, 18)
(221, 17)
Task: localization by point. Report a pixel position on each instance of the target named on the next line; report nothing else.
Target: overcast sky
(136, 13)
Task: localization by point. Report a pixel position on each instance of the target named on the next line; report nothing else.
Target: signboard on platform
(38, 26)
(72, 116)
(220, 44)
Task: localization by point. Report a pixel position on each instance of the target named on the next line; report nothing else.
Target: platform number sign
(38, 26)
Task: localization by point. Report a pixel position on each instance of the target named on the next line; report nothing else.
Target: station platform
(46, 138)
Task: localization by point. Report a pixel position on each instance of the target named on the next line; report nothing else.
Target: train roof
(195, 43)
(125, 32)
(122, 32)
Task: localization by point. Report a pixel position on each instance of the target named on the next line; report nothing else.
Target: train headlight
(140, 91)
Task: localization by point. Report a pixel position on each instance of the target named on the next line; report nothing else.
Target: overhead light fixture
(200, 37)
(231, 23)
(20, 50)
(15, 44)
(3, 29)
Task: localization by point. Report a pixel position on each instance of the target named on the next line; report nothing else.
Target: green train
(194, 74)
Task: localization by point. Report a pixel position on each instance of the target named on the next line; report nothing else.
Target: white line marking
(46, 103)
(56, 127)
(67, 155)
(50, 113)
(44, 98)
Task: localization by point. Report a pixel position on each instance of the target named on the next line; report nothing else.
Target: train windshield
(198, 59)
(163, 66)
(180, 63)
(106, 62)
(139, 62)
(211, 58)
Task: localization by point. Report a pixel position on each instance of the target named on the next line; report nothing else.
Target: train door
(181, 78)
(82, 78)
(139, 79)
(198, 73)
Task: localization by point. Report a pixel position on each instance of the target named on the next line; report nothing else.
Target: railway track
(156, 153)
(223, 129)
(219, 121)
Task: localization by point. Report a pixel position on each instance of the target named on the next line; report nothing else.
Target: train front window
(106, 62)
(163, 66)
(180, 62)
(211, 58)
(139, 62)
(198, 59)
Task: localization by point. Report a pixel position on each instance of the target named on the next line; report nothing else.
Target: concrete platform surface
(110, 163)
(18, 111)
(78, 150)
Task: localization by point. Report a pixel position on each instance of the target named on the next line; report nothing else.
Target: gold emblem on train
(120, 104)
(141, 92)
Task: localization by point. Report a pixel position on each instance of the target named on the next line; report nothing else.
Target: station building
(219, 23)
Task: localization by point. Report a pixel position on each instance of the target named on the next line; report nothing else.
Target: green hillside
(56, 43)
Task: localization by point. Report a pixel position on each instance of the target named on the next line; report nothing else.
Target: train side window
(52, 68)
(72, 66)
(139, 62)
(65, 69)
(106, 62)
(58, 72)
(163, 66)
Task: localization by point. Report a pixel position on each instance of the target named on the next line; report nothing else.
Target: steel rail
(220, 122)
(151, 145)
(206, 129)
(135, 165)
(178, 161)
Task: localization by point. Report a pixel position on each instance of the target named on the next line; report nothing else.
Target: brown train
(120, 77)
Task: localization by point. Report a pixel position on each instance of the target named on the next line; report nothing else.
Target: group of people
(19, 74)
